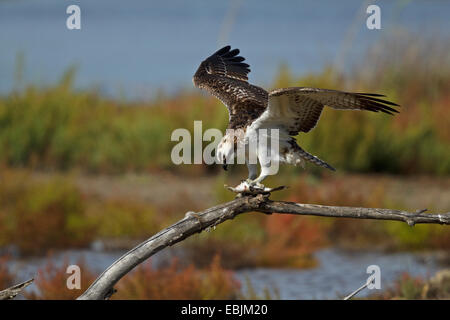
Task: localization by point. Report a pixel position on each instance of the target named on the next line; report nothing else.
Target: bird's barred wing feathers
(224, 75)
(298, 109)
(227, 63)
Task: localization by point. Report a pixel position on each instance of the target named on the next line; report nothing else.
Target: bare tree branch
(193, 223)
(354, 293)
(13, 291)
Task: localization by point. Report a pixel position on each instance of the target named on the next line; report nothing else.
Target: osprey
(290, 110)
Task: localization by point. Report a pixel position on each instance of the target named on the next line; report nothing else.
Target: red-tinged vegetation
(291, 241)
(146, 282)
(41, 216)
(51, 282)
(46, 212)
(6, 277)
(174, 282)
(413, 288)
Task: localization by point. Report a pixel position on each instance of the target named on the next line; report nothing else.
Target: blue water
(133, 48)
(338, 274)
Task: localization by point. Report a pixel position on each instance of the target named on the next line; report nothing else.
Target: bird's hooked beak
(225, 165)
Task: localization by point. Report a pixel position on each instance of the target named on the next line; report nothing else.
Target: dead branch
(12, 292)
(354, 293)
(102, 287)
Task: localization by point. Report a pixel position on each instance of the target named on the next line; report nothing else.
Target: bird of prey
(290, 110)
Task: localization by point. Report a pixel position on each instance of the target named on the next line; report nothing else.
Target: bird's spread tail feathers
(309, 157)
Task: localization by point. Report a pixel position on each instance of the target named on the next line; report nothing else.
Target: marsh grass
(46, 213)
(175, 282)
(50, 214)
(51, 281)
(60, 127)
(413, 288)
(146, 282)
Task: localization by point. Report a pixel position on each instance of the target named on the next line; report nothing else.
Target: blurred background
(86, 118)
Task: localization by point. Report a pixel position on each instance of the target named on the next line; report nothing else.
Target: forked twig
(12, 292)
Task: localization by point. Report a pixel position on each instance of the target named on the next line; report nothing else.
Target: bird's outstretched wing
(226, 63)
(298, 109)
(224, 75)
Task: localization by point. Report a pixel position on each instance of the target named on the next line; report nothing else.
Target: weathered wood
(193, 223)
(12, 292)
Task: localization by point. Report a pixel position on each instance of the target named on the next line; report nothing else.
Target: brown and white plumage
(224, 75)
(291, 110)
(305, 105)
